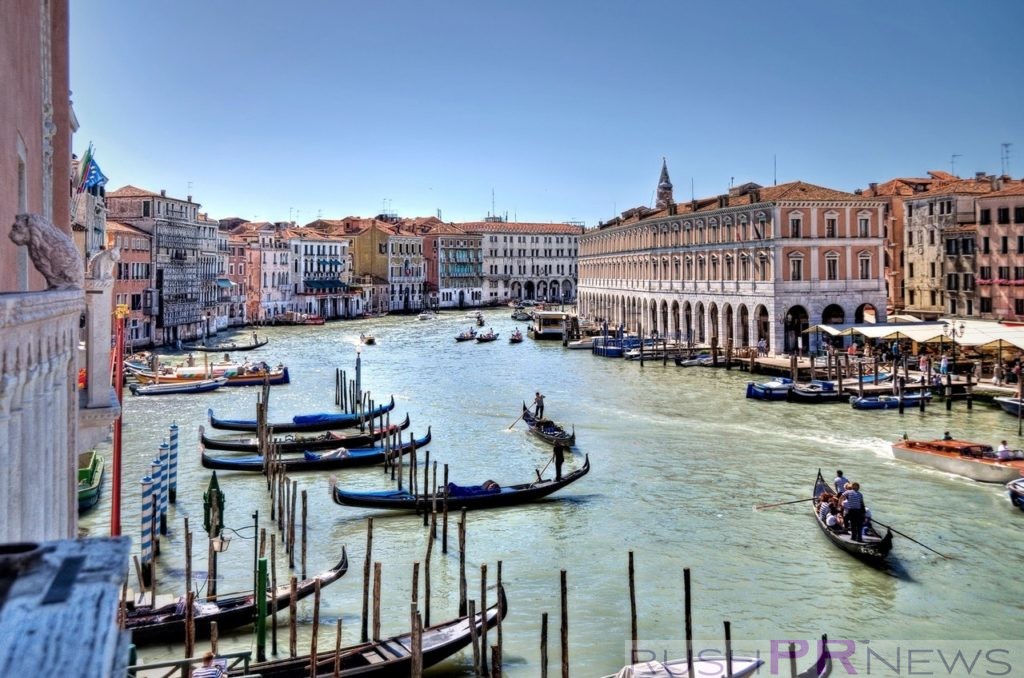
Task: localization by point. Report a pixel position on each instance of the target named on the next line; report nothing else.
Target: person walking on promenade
(538, 401)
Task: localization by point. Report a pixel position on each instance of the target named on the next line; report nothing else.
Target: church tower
(664, 188)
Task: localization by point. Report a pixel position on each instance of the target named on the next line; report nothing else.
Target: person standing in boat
(840, 482)
(559, 460)
(538, 401)
(854, 503)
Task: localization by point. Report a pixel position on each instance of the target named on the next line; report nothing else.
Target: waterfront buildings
(323, 274)
(133, 281)
(454, 264)
(1000, 254)
(754, 263)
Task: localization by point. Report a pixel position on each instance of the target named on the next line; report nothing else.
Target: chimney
(874, 187)
(190, 198)
(996, 183)
(672, 209)
(723, 200)
(979, 176)
(163, 192)
(755, 195)
(858, 192)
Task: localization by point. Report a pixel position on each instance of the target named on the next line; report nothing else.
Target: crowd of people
(845, 510)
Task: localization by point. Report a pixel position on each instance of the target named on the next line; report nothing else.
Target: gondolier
(853, 501)
(559, 460)
(538, 402)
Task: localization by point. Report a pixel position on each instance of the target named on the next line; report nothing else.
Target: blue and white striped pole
(156, 471)
(172, 487)
(165, 460)
(146, 534)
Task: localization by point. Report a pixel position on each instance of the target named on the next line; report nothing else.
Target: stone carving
(53, 252)
(101, 264)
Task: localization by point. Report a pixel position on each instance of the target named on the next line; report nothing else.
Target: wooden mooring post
(364, 632)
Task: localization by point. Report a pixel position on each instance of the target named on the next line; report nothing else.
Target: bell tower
(664, 188)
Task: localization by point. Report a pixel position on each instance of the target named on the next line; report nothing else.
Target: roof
(129, 191)
(975, 186)
(128, 228)
(1009, 189)
(518, 227)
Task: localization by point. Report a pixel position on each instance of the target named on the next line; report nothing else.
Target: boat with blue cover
(814, 392)
(547, 430)
(316, 461)
(486, 495)
(889, 402)
(321, 421)
(1016, 491)
(1010, 405)
(776, 389)
(299, 442)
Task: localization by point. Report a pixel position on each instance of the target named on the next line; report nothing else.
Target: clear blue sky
(564, 108)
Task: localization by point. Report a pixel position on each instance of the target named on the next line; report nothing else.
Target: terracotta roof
(128, 228)
(130, 191)
(518, 227)
(1010, 188)
(974, 186)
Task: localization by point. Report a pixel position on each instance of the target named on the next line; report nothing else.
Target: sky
(542, 111)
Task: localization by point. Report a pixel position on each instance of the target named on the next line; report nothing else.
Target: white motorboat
(704, 668)
(586, 344)
(976, 461)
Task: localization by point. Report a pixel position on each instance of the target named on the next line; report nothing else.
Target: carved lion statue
(101, 264)
(53, 252)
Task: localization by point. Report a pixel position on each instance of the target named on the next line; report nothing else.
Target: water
(679, 457)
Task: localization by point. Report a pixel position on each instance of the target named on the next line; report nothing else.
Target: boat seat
(396, 650)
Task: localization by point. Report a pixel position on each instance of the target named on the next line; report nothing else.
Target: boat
(487, 336)
(298, 442)
(875, 547)
(226, 347)
(468, 335)
(1016, 491)
(174, 388)
(312, 461)
(976, 461)
(776, 389)
(516, 337)
(90, 479)
(699, 360)
(547, 430)
(251, 375)
(582, 344)
(1009, 404)
(367, 339)
(480, 320)
(870, 378)
(322, 421)
(889, 402)
(547, 325)
(166, 623)
(521, 316)
(388, 657)
(426, 315)
(814, 392)
(487, 495)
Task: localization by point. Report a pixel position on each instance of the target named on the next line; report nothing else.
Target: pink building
(1000, 252)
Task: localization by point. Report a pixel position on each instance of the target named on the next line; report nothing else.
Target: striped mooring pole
(165, 479)
(172, 487)
(146, 534)
(156, 472)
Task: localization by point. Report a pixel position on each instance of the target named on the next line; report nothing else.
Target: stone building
(322, 271)
(749, 264)
(454, 264)
(268, 274)
(999, 257)
(527, 260)
(133, 284)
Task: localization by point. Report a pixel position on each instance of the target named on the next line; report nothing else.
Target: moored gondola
(547, 430)
(873, 549)
(324, 421)
(389, 657)
(167, 623)
(488, 495)
(290, 442)
(776, 389)
(313, 461)
(225, 348)
(889, 402)
(814, 392)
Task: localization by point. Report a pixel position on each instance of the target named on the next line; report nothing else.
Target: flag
(93, 176)
(83, 168)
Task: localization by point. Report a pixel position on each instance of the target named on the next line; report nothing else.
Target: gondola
(776, 389)
(389, 657)
(1010, 405)
(699, 360)
(325, 421)
(167, 623)
(516, 337)
(313, 461)
(873, 549)
(1015, 488)
(225, 348)
(252, 377)
(468, 335)
(484, 338)
(889, 402)
(201, 386)
(547, 430)
(327, 440)
(460, 497)
(814, 392)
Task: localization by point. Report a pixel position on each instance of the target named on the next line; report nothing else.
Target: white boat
(1009, 404)
(714, 667)
(426, 315)
(976, 461)
(586, 343)
(201, 386)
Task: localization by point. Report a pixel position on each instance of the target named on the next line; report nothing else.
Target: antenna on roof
(493, 210)
(691, 189)
(775, 170)
(1004, 157)
(952, 163)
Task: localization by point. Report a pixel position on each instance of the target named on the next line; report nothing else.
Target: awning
(331, 283)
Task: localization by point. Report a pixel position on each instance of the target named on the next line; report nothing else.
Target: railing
(183, 667)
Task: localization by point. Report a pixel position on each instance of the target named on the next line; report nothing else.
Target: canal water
(679, 458)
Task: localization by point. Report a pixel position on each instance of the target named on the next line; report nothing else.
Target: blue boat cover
(471, 490)
(320, 417)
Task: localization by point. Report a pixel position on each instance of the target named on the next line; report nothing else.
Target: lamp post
(953, 330)
(220, 544)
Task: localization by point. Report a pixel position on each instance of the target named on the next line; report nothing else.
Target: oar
(516, 421)
(782, 503)
(905, 536)
(540, 473)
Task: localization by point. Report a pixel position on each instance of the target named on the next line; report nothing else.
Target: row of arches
(547, 290)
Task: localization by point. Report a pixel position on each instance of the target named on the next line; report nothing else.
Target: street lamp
(953, 330)
(220, 543)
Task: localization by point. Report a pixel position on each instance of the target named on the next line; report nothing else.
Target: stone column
(98, 311)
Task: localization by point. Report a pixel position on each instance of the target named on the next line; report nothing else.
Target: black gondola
(313, 461)
(224, 348)
(873, 549)
(390, 657)
(814, 392)
(304, 423)
(166, 624)
(473, 497)
(545, 429)
(327, 440)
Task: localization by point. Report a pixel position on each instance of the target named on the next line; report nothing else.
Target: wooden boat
(298, 442)
(368, 339)
(873, 549)
(242, 376)
(545, 429)
(814, 392)
(324, 421)
(582, 344)
(90, 479)
(166, 623)
(1016, 491)
(699, 360)
(516, 337)
(480, 321)
(389, 657)
(1009, 404)
(460, 497)
(521, 316)
(870, 378)
(776, 389)
(426, 315)
(312, 461)
(889, 402)
(486, 337)
(976, 461)
(174, 388)
(468, 335)
(227, 347)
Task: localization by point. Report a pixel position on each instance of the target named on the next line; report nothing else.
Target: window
(951, 281)
(984, 245)
(931, 237)
(985, 272)
(832, 267)
(910, 273)
(1004, 245)
(1018, 306)
(910, 237)
(931, 209)
(830, 227)
(985, 218)
(986, 304)
(796, 268)
(145, 208)
(910, 210)
(967, 246)
(1020, 244)
(951, 246)
(864, 266)
(864, 227)
(1018, 215)
(1003, 215)
(794, 227)
(911, 297)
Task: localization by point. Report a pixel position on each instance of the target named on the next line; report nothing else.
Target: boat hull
(548, 431)
(873, 550)
(201, 386)
(90, 480)
(1009, 405)
(888, 402)
(769, 390)
(981, 470)
(1016, 491)
(324, 421)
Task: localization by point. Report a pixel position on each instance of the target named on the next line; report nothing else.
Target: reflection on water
(679, 459)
